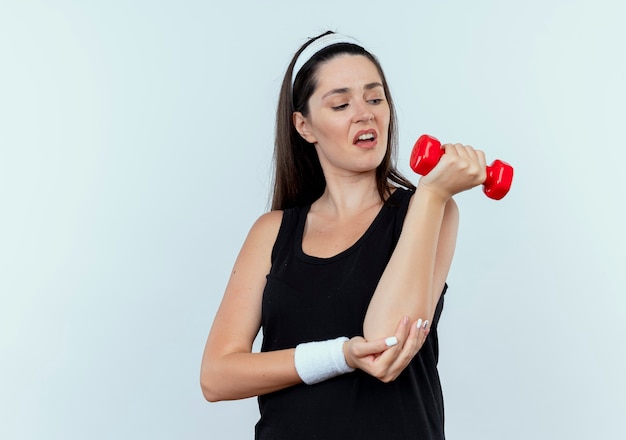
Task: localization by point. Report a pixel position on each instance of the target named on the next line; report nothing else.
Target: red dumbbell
(426, 154)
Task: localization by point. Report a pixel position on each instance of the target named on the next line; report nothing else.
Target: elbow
(209, 391)
(210, 396)
(209, 384)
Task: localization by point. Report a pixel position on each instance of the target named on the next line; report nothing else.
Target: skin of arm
(229, 369)
(420, 263)
(415, 275)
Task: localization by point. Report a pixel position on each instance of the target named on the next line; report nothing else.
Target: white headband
(315, 47)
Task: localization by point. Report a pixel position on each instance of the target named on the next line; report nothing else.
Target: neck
(346, 196)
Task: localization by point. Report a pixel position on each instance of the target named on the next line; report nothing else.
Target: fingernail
(419, 323)
(391, 341)
(425, 323)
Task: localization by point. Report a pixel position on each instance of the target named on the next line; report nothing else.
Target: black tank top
(307, 299)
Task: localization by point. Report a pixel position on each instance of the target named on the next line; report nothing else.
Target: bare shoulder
(266, 226)
(263, 233)
(254, 259)
(271, 219)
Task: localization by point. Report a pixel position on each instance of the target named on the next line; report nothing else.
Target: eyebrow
(343, 90)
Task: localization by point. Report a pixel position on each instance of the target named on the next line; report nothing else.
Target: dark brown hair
(298, 176)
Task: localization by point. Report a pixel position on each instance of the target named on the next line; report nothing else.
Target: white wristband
(317, 361)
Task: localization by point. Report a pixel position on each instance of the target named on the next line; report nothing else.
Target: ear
(302, 126)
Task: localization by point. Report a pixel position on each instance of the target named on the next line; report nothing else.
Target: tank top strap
(400, 199)
(294, 219)
(286, 234)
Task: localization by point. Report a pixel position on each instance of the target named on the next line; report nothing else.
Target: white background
(135, 153)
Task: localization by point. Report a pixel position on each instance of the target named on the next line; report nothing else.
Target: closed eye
(340, 107)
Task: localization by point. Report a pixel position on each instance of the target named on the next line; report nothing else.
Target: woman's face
(348, 118)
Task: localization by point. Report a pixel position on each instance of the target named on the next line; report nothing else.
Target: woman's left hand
(461, 167)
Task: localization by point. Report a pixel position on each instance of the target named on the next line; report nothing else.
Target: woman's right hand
(386, 358)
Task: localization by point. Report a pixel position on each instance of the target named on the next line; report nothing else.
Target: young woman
(346, 274)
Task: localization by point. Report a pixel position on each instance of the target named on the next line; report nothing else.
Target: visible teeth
(366, 136)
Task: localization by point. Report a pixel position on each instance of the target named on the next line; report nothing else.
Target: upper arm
(238, 318)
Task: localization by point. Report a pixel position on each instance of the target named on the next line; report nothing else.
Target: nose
(362, 113)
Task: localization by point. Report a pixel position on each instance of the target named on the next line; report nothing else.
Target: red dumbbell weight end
(426, 154)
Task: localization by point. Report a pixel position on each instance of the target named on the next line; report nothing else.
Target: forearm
(410, 283)
(241, 375)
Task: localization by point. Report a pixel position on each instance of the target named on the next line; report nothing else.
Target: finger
(394, 359)
(477, 156)
(460, 154)
(467, 152)
(475, 159)
(394, 344)
(400, 336)
(402, 330)
(416, 338)
(451, 149)
(361, 348)
(482, 167)
(482, 160)
(423, 334)
(393, 363)
(415, 341)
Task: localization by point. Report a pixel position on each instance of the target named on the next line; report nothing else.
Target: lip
(374, 140)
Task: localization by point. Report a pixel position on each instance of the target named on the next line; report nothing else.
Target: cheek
(384, 115)
(334, 129)
(385, 126)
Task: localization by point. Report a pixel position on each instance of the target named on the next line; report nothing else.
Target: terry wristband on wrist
(317, 361)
